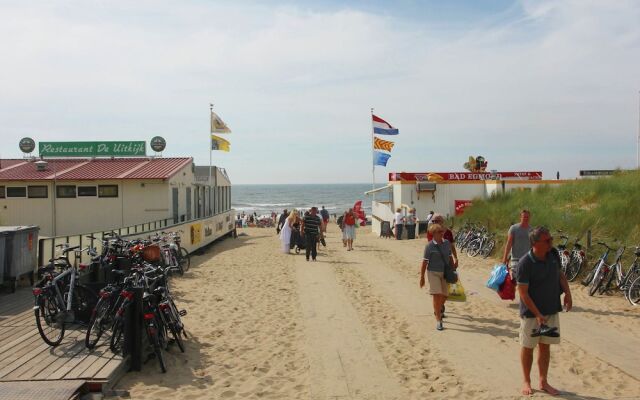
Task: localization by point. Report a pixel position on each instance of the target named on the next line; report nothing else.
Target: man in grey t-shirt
(518, 243)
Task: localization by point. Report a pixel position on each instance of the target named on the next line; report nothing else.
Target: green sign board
(92, 149)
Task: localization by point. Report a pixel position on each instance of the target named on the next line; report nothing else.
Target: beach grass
(605, 206)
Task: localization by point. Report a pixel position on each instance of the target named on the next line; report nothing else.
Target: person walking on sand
(311, 229)
(541, 283)
(398, 222)
(281, 221)
(437, 254)
(285, 232)
(411, 220)
(448, 234)
(325, 218)
(517, 242)
(349, 230)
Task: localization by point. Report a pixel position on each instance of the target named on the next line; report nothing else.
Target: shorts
(437, 283)
(529, 324)
(349, 232)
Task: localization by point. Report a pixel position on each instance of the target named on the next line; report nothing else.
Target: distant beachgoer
(437, 253)
(285, 232)
(349, 222)
(429, 216)
(281, 221)
(411, 220)
(340, 222)
(325, 218)
(398, 223)
(518, 243)
(448, 234)
(311, 231)
(541, 283)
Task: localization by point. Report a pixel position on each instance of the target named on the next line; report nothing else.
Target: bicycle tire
(596, 282)
(49, 312)
(84, 301)
(185, 259)
(488, 249)
(96, 323)
(474, 247)
(587, 279)
(633, 292)
(608, 280)
(176, 335)
(154, 339)
(573, 269)
(117, 336)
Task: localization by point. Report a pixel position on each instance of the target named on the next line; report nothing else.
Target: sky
(530, 85)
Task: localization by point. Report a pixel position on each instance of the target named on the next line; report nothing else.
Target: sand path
(355, 325)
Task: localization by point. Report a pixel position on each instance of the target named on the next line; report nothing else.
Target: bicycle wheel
(474, 247)
(99, 319)
(83, 303)
(154, 340)
(185, 259)
(175, 332)
(488, 248)
(117, 336)
(50, 320)
(573, 268)
(587, 279)
(597, 281)
(633, 292)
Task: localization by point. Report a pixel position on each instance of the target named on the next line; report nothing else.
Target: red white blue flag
(382, 127)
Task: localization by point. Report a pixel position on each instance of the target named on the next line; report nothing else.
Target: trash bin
(20, 253)
(422, 228)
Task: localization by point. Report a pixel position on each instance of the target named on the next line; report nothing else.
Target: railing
(196, 233)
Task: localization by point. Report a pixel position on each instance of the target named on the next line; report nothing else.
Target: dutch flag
(382, 127)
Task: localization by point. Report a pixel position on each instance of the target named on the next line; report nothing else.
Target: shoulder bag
(450, 274)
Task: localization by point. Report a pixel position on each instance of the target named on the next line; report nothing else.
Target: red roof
(95, 169)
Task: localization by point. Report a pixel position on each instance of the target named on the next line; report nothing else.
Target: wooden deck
(24, 356)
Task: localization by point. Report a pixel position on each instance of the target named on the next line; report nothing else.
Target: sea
(336, 198)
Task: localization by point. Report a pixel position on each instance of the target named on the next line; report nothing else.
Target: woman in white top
(285, 233)
(398, 223)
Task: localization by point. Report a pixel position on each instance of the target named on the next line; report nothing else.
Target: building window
(66, 192)
(38, 192)
(2, 195)
(108, 191)
(20, 191)
(88, 191)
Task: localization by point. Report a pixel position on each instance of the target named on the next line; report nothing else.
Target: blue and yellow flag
(218, 143)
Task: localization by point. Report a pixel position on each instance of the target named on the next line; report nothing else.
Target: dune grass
(605, 206)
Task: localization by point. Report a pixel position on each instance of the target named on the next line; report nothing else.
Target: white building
(68, 196)
(446, 193)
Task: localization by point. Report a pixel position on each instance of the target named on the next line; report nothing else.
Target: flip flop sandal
(545, 330)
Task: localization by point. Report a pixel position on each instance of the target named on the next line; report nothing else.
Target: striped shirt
(311, 225)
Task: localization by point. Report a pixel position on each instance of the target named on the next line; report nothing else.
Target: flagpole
(210, 152)
(638, 144)
(373, 157)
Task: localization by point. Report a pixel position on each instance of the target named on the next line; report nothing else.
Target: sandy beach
(355, 325)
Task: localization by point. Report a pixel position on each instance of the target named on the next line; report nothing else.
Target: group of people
(303, 231)
(534, 264)
(408, 222)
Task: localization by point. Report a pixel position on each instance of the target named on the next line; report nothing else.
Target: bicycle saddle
(545, 330)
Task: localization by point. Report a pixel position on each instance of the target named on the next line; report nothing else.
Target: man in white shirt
(398, 223)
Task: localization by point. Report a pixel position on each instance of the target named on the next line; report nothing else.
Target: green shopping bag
(456, 292)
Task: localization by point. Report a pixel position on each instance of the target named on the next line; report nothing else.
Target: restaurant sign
(93, 149)
(463, 176)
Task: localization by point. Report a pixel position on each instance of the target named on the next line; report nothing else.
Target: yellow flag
(218, 143)
(218, 125)
(382, 144)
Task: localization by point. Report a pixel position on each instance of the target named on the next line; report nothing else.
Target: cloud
(545, 85)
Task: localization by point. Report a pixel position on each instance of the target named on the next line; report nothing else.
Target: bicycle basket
(151, 253)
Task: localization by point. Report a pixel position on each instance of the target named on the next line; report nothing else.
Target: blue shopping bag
(498, 275)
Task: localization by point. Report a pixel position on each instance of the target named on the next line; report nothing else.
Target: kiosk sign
(93, 149)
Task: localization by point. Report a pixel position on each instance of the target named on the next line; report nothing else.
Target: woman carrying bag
(437, 261)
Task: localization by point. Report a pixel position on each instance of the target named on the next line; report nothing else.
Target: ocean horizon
(266, 198)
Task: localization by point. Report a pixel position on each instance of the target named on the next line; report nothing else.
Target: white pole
(638, 144)
(210, 152)
(373, 156)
